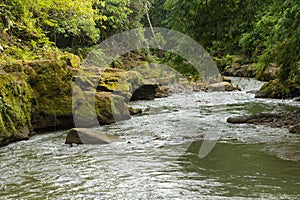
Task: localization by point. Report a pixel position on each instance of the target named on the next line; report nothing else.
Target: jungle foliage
(259, 31)
(263, 31)
(64, 23)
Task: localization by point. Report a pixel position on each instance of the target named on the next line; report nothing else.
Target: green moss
(229, 59)
(38, 94)
(15, 104)
(120, 82)
(49, 83)
(52, 85)
(110, 108)
(278, 89)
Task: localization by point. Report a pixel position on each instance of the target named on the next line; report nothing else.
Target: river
(159, 158)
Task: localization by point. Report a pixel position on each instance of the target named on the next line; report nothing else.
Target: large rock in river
(120, 82)
(279, 89)
(108, 108)
(222, 86)
(145, 92)
(89, 136)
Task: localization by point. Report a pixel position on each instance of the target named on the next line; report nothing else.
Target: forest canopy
(261, 31)
(264, 31)
(68, 22)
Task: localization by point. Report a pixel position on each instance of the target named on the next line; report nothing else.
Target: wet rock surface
(250, 70)
(89, 136)
(289, 120)
(135, 111)
(278, 90)
(222, 86)
(145, 92)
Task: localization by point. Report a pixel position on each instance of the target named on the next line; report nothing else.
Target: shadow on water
(244, 170)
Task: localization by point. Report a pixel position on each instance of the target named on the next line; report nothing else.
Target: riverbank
(36, 96)
(275, 87)
(288, 120)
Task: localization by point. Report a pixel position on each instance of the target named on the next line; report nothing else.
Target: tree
(264, 31)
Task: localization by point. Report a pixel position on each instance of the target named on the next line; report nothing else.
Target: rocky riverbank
(289, 120)
(36, 95)
(240, 66)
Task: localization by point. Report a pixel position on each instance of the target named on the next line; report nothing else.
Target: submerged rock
(251, 118)
(89, 136)
(297, 98)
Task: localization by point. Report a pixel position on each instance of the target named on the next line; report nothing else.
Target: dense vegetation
(38, 40)
(262, 31)
(29, 28)
(259, 31)
(36, 66)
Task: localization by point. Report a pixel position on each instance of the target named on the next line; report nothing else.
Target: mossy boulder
(52, 85)
(50, 82)
(108, 108)
(279, 89)
(120, 82)
(15, 107)
(111, 108)
(145, 92)
(236, 69)
(37, 95)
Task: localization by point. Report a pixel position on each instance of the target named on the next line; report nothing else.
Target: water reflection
(243, 170)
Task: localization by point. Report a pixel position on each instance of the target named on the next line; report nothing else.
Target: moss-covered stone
(267, 73)
(52, 85)
(240, 70)
(108, 108)
(279, 90)
(111, 108)
(15, 107)
(37, 95)
(120, 82)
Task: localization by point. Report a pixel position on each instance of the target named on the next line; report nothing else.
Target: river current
(159, 157)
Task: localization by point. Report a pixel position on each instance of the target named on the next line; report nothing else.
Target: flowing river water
(159, 159)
